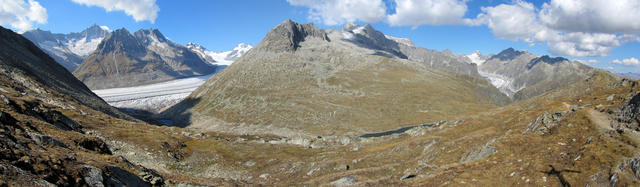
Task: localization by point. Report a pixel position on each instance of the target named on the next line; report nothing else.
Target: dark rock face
(121, 41)
(120, 177)
(629, 115)
(507, 54)
(94, 144)
(545, 59)
(287, 36)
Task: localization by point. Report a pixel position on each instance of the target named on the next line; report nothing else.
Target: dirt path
(603, 123)
(601, 120)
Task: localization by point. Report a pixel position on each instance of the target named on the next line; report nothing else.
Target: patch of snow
(105, 28)
(347, 35)
(359, 30)
(501, 82)
(405, 41)
(221, 58)
(82, 47)
(476, 58)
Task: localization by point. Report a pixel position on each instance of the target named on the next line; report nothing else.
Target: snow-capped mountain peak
(69, 49)
(477, 58)
(220, 58)
(85, 42)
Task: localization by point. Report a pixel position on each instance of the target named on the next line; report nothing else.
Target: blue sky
(219, 25)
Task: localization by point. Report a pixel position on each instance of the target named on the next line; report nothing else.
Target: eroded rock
(544, 123)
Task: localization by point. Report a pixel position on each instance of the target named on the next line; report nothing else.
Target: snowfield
(501, 82)
(152, 97)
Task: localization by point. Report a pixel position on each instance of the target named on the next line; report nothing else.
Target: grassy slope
(435, 157)
(334, 93)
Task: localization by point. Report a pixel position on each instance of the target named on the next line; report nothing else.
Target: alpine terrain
(331, 82)
(306, 107)
(522, 75)
(146, 56)
(69, 49)
(224, 58)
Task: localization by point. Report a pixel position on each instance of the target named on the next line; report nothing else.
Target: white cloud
(590, 61)
(585, 44)
(627, 62)
(22, 15)
(520, 20)
(140, 10)
(597, 16)
(510, 21)
(427, 12)
(336, 12)
(576, 28)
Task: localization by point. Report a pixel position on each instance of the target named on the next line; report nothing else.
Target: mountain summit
(68, 49)
(224, 58)
(124, 59)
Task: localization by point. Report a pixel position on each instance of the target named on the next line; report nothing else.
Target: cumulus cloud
(627, 62)
(590, 61)
(521, 20)
(336, 12)
(140, 10)
(597, 16)
(21, 14)
(428, 12)
(510, 21)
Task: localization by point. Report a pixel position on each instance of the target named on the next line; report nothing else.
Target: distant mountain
(522, 75)
(301, 79)
(68, 49)
(367, 37)
(220, 58)
(629, 75)
(477, 58)
(146, 56)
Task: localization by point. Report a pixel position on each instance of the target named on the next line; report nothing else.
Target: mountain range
(315, 107)
(69, 49)
(123, 59)
(522, 75)
(333, 82)
(166, 60)
(630, 75)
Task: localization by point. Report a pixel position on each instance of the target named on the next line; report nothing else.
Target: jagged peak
(507, 54)
(119, 39)
(288, 35)
(546, 59)
(122, 30)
